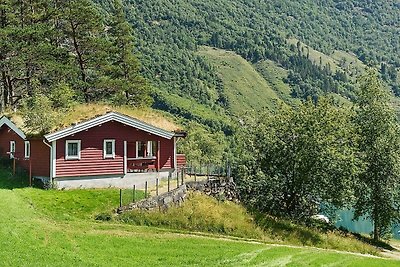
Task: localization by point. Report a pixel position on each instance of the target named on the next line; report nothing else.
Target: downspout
(51, 160)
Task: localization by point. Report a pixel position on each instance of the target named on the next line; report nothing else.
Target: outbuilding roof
(5, 121)
(111, 116)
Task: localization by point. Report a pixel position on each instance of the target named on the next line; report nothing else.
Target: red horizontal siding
(166, 154)
(39, 159)
(181, 160)
(92, 162)
(7, 135)
(40, 153)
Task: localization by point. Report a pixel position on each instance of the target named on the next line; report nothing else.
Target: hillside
(82, 50)
(244, 87)
(57, 228)
(299, 37)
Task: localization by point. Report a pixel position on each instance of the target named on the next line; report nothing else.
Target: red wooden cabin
(110, 150)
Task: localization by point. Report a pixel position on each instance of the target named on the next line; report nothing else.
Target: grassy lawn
(55, 228)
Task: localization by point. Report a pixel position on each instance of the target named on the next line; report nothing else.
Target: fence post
(120, 198)
(145, 190)
(169, 181)
(134, 193)
(182, 172)
(157, 186)
(195, 174)
(177, 179)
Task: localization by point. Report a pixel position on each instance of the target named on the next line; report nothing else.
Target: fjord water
(360, 226)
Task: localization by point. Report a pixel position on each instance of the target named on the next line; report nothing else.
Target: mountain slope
(348, 34)
(244, 87)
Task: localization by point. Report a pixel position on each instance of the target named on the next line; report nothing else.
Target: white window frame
(137, 149)
(149, 150)
(68, 157)
(112, 155)
(12, 149)
(27, 149)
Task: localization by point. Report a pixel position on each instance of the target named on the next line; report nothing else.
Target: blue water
(361, 225)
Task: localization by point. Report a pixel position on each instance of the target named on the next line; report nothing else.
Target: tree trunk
(80, 59)
(5, 89)
(376, 232)
(376, 222)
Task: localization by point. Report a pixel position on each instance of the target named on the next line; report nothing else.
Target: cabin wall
(7, 135)
(40, 153)
(40, 158)
(92, 161)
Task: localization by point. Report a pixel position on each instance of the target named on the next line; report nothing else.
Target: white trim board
(12, 126)
(112, 116)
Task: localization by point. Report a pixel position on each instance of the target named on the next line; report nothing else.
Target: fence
(208, 170)
(155, 187)
(173, 181)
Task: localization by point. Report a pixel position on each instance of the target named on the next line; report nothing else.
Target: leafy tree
(62, 96)
(39, 115)
(378, 191)
(203, 147)
(294, 160)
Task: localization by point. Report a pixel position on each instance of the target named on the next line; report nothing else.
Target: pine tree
(127, 82)
(84, 29)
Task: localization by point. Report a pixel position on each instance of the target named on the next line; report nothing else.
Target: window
(140, 149)
(12, 149)
(72, 149)
(27, 149)
(146, 149)
(109, 148)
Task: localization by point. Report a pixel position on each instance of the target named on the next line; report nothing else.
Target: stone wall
(219, 188)
(162, 202)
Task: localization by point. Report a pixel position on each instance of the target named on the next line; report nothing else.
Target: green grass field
(57, 228)
(244, 86)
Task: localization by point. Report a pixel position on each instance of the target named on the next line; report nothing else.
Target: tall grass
(206, 214)
(200, 213)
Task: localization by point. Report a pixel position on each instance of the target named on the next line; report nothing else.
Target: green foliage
(202, 146)
(125, 67)
(39, 115)
(63, 96)
(378, 191)
(292, 161)
(168, 36)
(47, 44)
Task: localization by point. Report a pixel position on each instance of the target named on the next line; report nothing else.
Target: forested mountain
(316, 47)
(168, 34)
